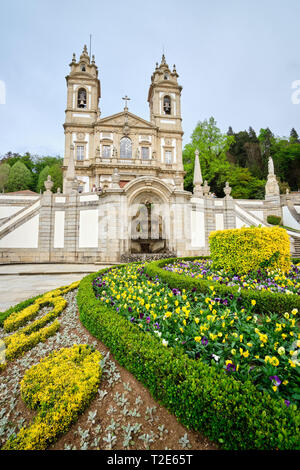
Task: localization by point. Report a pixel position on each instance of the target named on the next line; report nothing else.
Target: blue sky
(236, 61)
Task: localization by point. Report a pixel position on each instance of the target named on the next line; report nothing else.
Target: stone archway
(148, 200)
(147, 224)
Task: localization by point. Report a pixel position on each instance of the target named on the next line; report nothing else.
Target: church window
(83, 68)
(81, 98)
(125, 147)
(168, 157)
(167, 105)
(145, 153)
(80, 152)
(106, 151)
(166, 77)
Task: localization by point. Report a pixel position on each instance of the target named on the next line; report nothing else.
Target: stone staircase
(296, 247)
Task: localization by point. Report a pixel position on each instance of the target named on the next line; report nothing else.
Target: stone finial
(74, 58)
(271, 166)
(48, 185)
(227, 190)
(163, 60)
(197, 180)
(58, 191)
(272, 187)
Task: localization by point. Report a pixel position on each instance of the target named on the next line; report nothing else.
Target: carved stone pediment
(122, 118)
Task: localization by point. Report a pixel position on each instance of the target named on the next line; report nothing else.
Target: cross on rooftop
(126, 98)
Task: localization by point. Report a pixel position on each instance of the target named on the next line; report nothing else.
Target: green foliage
(4, 174)
(215, 166)
(226, 410)
(42, 178)
(273, 219)
(19, 178)
(35, 165)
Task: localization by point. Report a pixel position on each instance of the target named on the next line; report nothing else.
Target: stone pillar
(71, 228)
(45, 228)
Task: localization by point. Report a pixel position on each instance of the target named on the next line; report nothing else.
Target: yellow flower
(197, 339)
(253, 302)
(274, 388)
(274, 361)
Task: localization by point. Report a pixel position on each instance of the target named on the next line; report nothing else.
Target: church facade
(133, 145)
(123, 196)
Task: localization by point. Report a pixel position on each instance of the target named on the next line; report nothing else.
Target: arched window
(125, 148)
(81, 98)
(167, 105)
(82, 68)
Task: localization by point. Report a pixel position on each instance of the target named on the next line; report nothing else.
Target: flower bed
(263, 279)
(266, 300)
(221, 332)
(60, 387)
(204, 395)
(39, 330)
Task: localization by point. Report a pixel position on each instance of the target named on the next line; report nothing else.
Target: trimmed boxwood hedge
(17, 308)
(230, 412)
(266, 301)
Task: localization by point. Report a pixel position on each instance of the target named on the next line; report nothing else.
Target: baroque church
(123, 195)
(131, 144)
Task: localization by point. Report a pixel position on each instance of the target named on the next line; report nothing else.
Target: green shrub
(230, 412)
(250, 248)
(273, 219)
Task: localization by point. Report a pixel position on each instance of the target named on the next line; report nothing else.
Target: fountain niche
(147, 229)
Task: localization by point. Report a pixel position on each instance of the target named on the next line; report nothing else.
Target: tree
(55, 172)
(20, 178)
(4, 174)
(216, 168)
(294, 138)
(266, 139)
(40, 188)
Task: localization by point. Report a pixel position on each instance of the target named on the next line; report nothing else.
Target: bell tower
(164, 98)
(82, 112)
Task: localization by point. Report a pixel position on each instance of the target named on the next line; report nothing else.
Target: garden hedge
(245, 249)
(266, 301)
(232, 413)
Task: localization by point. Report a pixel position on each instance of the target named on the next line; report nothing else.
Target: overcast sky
(236, 59)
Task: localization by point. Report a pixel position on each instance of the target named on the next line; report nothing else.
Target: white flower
(164, 342)
(216, 358)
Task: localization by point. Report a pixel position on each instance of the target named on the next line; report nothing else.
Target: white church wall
(240, 223)
(7, 211)
(59, 229)
(197, 229)
(258, 214)
(88, 228)
(288, 219)
(25, 236)
(219, 221)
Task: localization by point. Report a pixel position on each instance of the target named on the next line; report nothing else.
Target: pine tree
(294, 138)
(20, 178)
